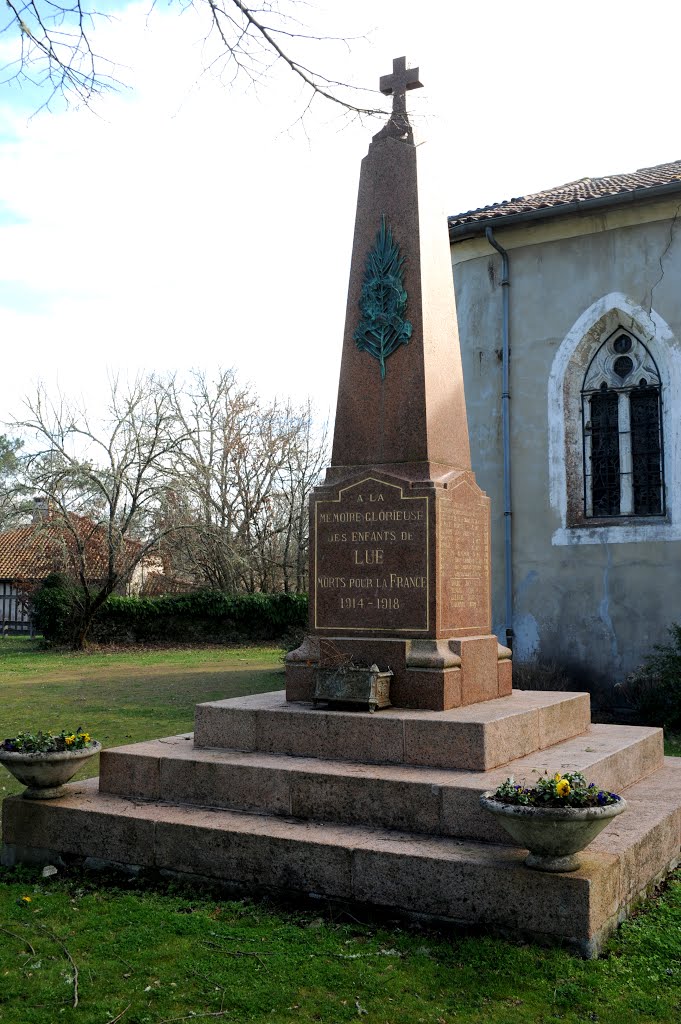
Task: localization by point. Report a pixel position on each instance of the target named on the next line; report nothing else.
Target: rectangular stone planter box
(363, 687)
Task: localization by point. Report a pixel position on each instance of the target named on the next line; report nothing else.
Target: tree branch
(56, 52)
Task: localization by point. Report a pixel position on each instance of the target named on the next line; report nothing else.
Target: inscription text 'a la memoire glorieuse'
(371, 559)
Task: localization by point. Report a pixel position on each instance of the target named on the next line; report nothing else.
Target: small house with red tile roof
(569, 309)
(31, 553)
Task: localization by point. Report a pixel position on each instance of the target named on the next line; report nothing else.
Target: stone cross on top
(398, 83)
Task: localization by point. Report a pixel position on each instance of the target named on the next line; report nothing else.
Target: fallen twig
(20, 938)
(234, 952)
(125, 962)
(211, 981)
(238, 952)
(63, 945)
(193, 1016)
(114, 1019)
(204, 977)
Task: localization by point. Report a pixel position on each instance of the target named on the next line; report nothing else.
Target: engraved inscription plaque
(464, 538)
(371, 560)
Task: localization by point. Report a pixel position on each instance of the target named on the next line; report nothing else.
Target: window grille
(622, 431)
(605, 454)
(646, 451)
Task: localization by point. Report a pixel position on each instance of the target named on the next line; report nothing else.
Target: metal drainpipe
(505, 423)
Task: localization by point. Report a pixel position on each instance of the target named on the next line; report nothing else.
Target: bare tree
(240, 484)
(9, 485)
(102, 485)
(56, 50)
(203, 479)
(201, 506)
(306, 458)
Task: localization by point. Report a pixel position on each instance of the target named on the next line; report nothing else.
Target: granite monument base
(379, 810)
(434, 675)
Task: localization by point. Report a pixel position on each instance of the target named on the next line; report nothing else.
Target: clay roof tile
(33, 552)
(573, 192)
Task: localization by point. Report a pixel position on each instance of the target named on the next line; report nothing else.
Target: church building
(569, 310)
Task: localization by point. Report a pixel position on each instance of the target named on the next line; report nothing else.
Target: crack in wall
(661, 258)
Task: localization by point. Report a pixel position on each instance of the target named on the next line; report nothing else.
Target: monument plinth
(400, 531)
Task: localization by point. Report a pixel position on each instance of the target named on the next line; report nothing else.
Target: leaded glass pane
(605, 454)
(646, 451)
(622, 344)
(623, 366)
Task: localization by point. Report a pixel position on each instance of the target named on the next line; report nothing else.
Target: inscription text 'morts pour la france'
(371, 559)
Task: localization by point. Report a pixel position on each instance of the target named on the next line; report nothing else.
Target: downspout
(506, 432)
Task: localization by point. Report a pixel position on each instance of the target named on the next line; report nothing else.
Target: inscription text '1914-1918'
(371, 560)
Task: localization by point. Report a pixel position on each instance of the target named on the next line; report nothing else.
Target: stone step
(406, 797)
(430, 877)
(477, 737)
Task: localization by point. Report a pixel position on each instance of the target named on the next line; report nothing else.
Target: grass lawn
(124, 696)
(151, 956)
(142, 954)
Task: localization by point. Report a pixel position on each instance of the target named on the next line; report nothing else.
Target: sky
(193, 221)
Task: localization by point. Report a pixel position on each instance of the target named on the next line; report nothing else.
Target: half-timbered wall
(14, 615)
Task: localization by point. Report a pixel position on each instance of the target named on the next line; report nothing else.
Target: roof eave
(471, 229)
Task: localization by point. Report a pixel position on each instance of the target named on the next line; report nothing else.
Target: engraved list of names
(371, 559)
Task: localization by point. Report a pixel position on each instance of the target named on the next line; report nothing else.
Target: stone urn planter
(45, 774)
(553, 835)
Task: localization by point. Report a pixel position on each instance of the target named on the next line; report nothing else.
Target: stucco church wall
(599, 606)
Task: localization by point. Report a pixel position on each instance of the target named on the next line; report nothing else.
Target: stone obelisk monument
(383, 810)
(400, 531)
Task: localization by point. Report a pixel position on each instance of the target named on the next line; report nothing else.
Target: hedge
(200, 616)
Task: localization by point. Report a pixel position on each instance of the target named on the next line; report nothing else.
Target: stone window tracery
(623, 464)
(615, 326)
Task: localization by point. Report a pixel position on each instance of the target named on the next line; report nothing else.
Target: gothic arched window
(622, 431)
